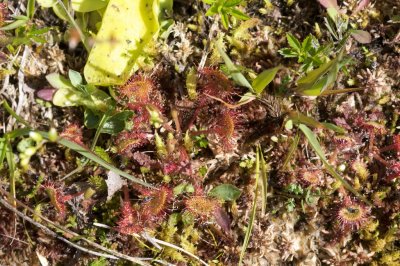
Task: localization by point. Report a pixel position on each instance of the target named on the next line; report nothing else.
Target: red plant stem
(371, 139)
(389, 148)
(174, 114)
(200, 132)
(125, 190)
(380, 159)
(196, 113)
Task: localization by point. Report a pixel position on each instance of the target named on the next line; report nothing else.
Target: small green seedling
(309, 52)
(225, 8)
(73, 93)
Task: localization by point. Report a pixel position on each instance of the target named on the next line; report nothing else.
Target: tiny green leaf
(226, 192)
(238, 77)
(306, 45)
(65, 97)
(116, 123)
(315, 82)
(30, 9)
(232, 3)
(293, 42)
(224, 19)
(88, 5)
(58, 82)
(238, 14)
(75, 78)
(334, 128)
(15, 24)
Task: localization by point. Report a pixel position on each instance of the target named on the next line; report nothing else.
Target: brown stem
(200, 132)
(388, 148)
(380, 159)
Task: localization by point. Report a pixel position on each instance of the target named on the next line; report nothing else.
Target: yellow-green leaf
(264, 78)
(88, 5)
(316, 81)
(46, 3)
(126, 28)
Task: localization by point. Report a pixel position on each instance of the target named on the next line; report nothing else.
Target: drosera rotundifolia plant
(201, 132)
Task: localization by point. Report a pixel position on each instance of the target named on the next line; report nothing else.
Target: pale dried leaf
(43, 261)
(114, 184)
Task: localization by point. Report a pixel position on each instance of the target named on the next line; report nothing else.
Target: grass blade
(292, 149)
(252, 214)
(264, 181)
(91, 156)
(3, 149)
(318, 150)
(30, 9)
(11, 170)
(13, 114)
(238, 77)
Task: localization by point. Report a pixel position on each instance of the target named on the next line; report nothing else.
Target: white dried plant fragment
(42, 259)
(114, 184)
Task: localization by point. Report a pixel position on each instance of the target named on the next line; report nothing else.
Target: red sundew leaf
(137, 89)
(225, 127)
(393, 171)
(46, 94)
(73, 133)
(3, 13)
(129, 222)
(154, 208)
(202, 207)
(126, 141)
(215, 83)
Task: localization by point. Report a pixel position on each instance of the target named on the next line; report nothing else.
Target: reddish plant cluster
(217, 88)
(127, 141)
(151, 211)
(58, 198)
(202, 207)
(140, 93)
(73, 133)
(351, 214)
(173, 157)
(214, 83)
(3, 13)
(372, 130)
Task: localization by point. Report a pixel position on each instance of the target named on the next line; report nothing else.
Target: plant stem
(76, 26)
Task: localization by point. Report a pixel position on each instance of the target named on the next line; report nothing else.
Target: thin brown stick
(52, 233)
(93, 244)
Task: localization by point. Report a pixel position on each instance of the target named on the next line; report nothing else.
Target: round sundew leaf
(225, 192)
